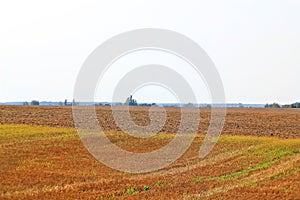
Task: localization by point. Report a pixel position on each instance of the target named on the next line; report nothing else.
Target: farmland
(283, 123)
(42, 157)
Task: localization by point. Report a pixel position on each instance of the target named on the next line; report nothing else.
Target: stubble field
(42, 157)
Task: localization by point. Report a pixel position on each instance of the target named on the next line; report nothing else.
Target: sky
(254, 44)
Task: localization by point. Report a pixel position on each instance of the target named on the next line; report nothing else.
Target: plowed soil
(283, 123)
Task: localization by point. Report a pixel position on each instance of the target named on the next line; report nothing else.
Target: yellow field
(39, 162)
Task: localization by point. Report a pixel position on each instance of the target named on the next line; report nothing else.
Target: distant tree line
(294, 105)
(273, 105)
(37, 103)
(131, 101)
(32, 103)
(276, 105)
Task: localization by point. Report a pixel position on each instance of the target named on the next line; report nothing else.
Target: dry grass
(40, 162)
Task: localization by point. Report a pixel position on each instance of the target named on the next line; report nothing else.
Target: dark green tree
(273, 105)
(130, 101)
(35, 103)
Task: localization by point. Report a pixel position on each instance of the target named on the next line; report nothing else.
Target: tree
(273, 105)
(190, 105)
(25, 103)
(130, 101)
(35, 103)
(294, 105)
(74, 102)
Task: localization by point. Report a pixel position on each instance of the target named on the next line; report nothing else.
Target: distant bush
(35, 103)
(273, 105)
(74, 103)
(294, 105)
(189, 105)
(276, 105)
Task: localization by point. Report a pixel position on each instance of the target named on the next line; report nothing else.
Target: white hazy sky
(255, 44)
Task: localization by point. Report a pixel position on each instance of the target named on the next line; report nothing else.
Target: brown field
(42, 157)
(283, 123)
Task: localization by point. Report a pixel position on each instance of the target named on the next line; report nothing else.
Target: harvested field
(39, 162)
(283, 123)
(42, 157)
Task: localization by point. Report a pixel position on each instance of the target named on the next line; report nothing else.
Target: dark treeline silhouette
(35, 103)
(294, 105)
(276, 105)
(273, 105)
(60, 103)
(131, 101)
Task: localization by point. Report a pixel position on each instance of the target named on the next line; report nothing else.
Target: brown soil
(283, 123)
